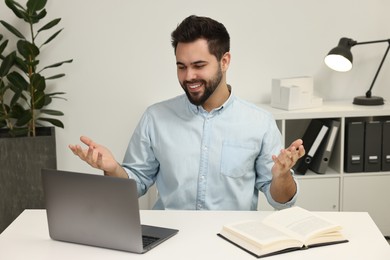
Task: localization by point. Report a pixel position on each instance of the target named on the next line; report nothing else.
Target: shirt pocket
(237, 159)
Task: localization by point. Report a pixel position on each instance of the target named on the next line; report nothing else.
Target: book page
(256, 232)
(300, 223)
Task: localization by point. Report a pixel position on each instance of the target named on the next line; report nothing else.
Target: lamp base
(368, 101)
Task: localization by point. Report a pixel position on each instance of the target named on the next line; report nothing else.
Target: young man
(207, 149)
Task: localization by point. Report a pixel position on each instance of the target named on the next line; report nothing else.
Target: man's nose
(190, 74)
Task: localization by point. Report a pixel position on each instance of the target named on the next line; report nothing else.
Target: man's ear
(225, 61)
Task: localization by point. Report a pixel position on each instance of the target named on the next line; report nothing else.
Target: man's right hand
(98, 157)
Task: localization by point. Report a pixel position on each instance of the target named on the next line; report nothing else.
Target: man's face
(198, 71)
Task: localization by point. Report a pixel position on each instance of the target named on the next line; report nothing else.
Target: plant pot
(21, 161)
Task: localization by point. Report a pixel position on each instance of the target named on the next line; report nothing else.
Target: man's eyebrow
(192, 63)
(199, 62)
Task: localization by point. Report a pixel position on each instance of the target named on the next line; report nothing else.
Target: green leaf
(54, 94)
(16, 4)
(7, 64)
(56, 76)
(49, 97)
(18, 81)
(18, 10)
(52, 37)
(48, 100)
(28, 50)
(57, 64)
(35, 5)
(3, 88)
(50, 24)
(52, 112)
(3, 45)
(23, 118)
(18, 110)
(39, 99)
(21, 65)
(15, 98)
(35, 18)
(12, 29)
(52, 121)
(38, 82)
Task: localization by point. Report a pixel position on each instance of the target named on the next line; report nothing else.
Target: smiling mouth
(194, 87)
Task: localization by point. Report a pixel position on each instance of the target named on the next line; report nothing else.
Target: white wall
(123, 60)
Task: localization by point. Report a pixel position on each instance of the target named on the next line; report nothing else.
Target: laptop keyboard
(147, 240)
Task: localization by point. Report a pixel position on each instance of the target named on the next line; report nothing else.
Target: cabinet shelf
(336, 189)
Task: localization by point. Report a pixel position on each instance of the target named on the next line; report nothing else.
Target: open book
(283, 231)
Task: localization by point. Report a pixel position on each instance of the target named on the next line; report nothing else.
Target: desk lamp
(340, 59)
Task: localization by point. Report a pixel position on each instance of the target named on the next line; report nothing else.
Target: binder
(373, 146)
(386, 146)
(312, 139)
(321, 159)
(354, 147)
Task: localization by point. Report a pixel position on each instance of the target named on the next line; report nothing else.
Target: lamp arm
(368, 93)
(369, 42)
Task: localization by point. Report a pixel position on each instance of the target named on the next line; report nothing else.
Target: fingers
(297, 143)
(88, 155)
(288, 157)
(99, 161)
(87, 141)
(72, 148)
(75, 149)
(301, 151)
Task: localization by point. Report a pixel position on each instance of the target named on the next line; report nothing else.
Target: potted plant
(27, 136)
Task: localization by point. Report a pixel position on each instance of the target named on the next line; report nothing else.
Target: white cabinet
(369, 192)
(314, 195)
(337, 190)
(326, 192)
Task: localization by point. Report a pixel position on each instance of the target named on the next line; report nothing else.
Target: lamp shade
(340, 58)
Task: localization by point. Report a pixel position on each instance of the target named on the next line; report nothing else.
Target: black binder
(386, 146)
(373, 146)
(312, 139)
(354, 147)
(321, 159)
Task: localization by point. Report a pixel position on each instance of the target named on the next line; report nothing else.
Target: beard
(209, 88)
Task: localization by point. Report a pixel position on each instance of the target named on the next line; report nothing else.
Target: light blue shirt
(201, 160)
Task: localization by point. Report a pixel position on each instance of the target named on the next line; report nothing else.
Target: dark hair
(195, 27)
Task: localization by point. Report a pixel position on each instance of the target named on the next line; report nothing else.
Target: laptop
(99, 211)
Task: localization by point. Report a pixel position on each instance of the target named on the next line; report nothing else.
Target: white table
(28, 238)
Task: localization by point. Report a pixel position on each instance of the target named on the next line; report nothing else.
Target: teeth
(194, 86)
